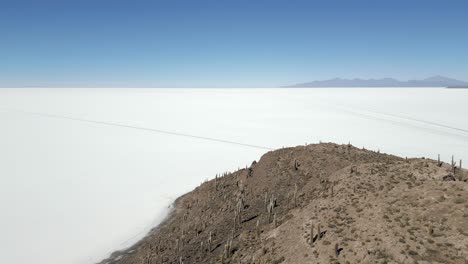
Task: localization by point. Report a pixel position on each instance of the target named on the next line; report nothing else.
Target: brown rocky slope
(322, 203)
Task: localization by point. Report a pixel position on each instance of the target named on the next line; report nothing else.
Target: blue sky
(238, 43)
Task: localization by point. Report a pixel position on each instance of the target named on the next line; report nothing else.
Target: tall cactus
(311, 233)
(337, 250)
(318, 231)
(453, 165)
(210, 241)
(332, 184)
(295, 195)
(270, 210)
(257, 229)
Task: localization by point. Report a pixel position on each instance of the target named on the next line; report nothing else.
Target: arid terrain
(322, 203)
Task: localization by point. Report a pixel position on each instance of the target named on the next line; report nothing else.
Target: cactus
(227, 248)
(296, 165)
(210, 241)
(270, 210)
(332, 184)
(453, 165)
(295, 195)
(257, 229)
(274, 221)
(239, 205)
(235, 219)
(430, 230)
(318, 232)
(337, 250)
(311, 234)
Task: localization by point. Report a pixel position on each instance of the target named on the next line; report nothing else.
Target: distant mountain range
(436, 81)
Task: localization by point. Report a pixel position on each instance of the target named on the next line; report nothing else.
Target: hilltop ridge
(321, 203)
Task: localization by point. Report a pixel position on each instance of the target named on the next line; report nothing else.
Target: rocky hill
(322, 203)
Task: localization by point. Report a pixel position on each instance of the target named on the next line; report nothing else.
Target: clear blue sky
(228, 43)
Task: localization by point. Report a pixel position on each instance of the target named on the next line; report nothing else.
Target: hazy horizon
(290, 85)
(209, 43)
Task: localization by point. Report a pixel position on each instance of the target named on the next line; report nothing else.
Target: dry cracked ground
(322, 203)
